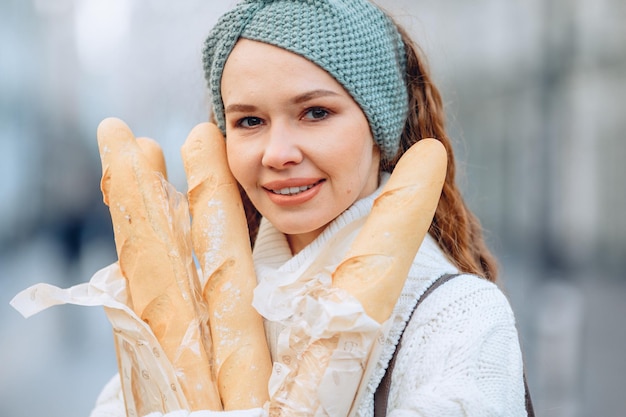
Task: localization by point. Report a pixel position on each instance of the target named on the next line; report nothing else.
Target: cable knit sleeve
(460, 355)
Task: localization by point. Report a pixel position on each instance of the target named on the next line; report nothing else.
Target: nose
(281, 147)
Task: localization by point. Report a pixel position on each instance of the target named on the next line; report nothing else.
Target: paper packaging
(144, 365)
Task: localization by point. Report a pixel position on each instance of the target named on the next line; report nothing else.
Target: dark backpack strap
(381, 396)
(530, 411)
(382, 392)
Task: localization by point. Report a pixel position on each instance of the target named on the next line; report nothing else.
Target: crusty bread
(154, 154)
(376, 266)
(162, 281)
(221, 244)
(155, 258)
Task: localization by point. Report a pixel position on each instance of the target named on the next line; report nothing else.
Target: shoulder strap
(530, 411)
(381, 395)
(382, 392)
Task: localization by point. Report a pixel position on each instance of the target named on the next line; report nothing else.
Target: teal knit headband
(352, 40)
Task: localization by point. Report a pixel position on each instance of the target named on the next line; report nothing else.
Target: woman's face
(297, 142)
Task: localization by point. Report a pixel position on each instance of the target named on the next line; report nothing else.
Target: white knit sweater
(460, 353)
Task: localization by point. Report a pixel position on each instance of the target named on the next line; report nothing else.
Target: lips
(292, 191)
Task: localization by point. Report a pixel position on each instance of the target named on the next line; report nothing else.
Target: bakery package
(183, 299)
(333, 313)
(154, 295)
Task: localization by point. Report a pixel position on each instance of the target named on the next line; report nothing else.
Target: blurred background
(536, 97)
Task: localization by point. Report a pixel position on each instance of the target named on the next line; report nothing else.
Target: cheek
(236, 162)
(366, 160)
(362, 153)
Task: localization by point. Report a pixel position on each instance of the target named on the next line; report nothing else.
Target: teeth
(292, 190)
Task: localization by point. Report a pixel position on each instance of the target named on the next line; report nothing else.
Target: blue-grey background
(535, 92)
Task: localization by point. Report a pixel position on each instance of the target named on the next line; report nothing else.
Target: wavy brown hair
(455, 227)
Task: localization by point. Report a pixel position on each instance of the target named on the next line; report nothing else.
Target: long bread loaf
(156, 259)
(377, 264)
(221, 243)
(375, 268)
(154, 154)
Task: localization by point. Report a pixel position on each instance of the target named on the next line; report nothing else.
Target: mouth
(293, 190)
(289, 191)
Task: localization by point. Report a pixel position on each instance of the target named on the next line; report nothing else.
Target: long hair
(454, 227)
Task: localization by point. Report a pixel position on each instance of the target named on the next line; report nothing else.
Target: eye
(316, 113)
(250, 121)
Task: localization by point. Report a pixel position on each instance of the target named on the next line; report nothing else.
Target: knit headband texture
(353, 40)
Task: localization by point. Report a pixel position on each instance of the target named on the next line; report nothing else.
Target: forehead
(254, 56)
(254, 65)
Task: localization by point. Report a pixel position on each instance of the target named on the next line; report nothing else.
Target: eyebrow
(241, 108)
(299, 99)
(310, 95)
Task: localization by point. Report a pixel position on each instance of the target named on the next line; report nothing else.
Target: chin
(297, 230)
(300, 229)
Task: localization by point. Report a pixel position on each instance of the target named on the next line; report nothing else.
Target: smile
(293, 190)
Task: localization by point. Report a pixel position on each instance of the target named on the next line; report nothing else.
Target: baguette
(156, 260)
(220, 239)
(154, 154)
(376, 266)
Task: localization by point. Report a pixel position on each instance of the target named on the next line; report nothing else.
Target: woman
(318, 99)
